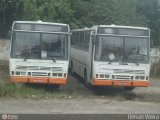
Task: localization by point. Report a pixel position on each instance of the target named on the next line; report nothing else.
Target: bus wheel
(86, 83)
(128, 88)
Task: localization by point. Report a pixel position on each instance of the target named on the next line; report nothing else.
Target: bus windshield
(122, 49)
(39, 45)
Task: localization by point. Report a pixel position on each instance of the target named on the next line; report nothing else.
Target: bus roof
(95, 27)
(120, 26)
(40, 22)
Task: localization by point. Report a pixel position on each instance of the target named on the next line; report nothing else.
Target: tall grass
(155, 70)
(30, 91)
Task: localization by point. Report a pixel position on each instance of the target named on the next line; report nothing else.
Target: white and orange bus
(39, 52)
(111, 55)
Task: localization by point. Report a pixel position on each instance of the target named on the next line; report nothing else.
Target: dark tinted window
(123, 31)
(40, 27)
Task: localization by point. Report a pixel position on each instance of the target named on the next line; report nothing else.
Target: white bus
(110, 55)
(39, 52)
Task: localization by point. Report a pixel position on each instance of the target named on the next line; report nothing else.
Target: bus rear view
(39, 52)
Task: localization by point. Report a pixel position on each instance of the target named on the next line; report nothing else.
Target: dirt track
(83, 100)
(76, 106)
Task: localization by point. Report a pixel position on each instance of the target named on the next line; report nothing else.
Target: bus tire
(128, 88)
(86, 83)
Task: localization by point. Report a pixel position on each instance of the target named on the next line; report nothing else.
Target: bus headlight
(137, 77)
(29, 73)
(132, 77)
(49, 74)
(147, 77)
(106, 76)
(59, 74)
(65, 75)
(18, 73)
(140, 77)
(96, 75)
(12, 72)
(54, 74)
(113, 77)
(101, 76)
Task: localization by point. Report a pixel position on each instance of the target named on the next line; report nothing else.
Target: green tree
(151, 9)
(45, 10)
(121, 12)
(84, 13)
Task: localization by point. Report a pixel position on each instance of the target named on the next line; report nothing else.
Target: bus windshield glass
(39, 45)
(122, 49)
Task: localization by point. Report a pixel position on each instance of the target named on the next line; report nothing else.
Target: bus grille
(139, 72)
(59, 69)
(21, 68)
(126, 71)
(122, 71)
(38, 70)
(123, 77)
(39, 74)
(34, 68)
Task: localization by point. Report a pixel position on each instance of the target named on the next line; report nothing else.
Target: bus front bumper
(134, 83)
(43, 80)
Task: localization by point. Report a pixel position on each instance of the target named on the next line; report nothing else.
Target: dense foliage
(83, 13)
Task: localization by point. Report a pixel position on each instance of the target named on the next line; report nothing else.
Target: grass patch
(31, 91)
(119, 94)
(155, 70)
(155, 74)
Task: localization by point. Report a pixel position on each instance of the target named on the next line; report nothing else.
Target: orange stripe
(122, 83)
(141, 83)
(19, 79)
(38, 80)
(101, 82)
(43, 80)
(58, 80)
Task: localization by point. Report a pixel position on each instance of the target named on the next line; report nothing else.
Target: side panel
(80, 60)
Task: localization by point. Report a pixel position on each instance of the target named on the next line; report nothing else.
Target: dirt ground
(81, 100)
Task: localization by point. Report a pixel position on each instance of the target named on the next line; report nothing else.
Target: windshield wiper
(113, 61)
(53, 59)
(135, 62)
(25, 58)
